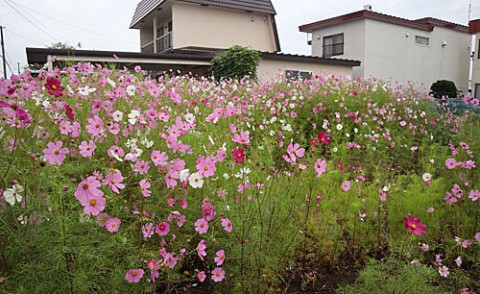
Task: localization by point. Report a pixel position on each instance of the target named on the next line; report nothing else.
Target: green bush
(235, 63)
(444, 88)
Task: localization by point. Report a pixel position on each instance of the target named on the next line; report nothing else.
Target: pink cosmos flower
(114, 181)
(220, 257)
(208, 211)
(201, 226)
(95, 126)
(474, 195)
(201, 276)
(102, 219)
(116, 152)
(242, 138)
(477, 237)
(87, 149)
(294, 150)
(238, 155)
(451, 163)
(159, 158)
(55, 154)
(183, 203)
(201, 247)
(227, 225)
(113, 224)
(88, 188)
(162, 228)
(218, 274)
(93, 205)
(147, 230)
(134, 276)
(320, 166)
(346, 185)
(144, 186)
(170, 259)
(413, 225)
(142, 167)
(205, 166)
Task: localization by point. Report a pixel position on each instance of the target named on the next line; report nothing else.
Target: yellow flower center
(93, 202)
(413, 226)
(54, 87)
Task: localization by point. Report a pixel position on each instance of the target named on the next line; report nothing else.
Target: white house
(474, 27)
(391, 48)
(186, 34)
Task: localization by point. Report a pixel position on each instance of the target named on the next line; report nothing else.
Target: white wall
(271, 70)
(212, 27)
(387, 53)
(354, 38)
(476, 67)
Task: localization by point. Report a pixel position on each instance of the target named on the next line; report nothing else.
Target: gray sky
(103, 24)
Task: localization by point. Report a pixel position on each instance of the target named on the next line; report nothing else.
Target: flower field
(112, 182)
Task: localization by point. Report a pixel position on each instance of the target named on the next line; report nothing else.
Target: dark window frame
(292, 74)
(332, 46)
(417, 38)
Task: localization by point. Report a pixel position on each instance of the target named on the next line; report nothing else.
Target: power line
(26, 38)
(37, 20)
(28, 20)
(70, 24)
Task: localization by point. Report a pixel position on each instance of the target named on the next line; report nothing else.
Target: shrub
(235, 63)
(444, 88)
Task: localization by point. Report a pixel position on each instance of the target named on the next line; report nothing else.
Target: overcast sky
(103, 24)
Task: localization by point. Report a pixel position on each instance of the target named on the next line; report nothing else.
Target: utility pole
(3, 54)
(18, 67)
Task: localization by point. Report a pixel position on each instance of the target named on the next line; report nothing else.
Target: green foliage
(61, 45)
(388, 277)
(444, 88)
(235, 63)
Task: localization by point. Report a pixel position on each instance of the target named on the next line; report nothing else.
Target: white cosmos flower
(117, 116)
(184, 174)
(339, 127)
(85, 91)
(13, 195)
(111, 83)
(426, 177)
(131, 90)
(133, 116)
(196, 180)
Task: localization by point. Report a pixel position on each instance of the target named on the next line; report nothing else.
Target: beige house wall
(212, 27)
(271, 70)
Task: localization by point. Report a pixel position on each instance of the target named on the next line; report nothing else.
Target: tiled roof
(425, 24)
(145, 7)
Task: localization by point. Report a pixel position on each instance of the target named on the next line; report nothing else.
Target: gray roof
(145, 7)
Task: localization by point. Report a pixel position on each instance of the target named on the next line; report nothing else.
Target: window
(422, 40)
(478, 49)
(333, 45)
(298, 74)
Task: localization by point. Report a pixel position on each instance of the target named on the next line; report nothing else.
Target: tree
(61, 45)
(443, 88)
(236, 63)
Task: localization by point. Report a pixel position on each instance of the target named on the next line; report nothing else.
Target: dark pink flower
(238, 155)
(413, 225)
(162, 228)
(53, 87)
(227, 225)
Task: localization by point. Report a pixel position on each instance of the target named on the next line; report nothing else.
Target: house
(421, 51)
(186, 34)
(474, 28)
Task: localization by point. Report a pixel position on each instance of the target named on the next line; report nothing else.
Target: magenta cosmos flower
(53, 87)
(55, 154)
(238, 155)
(134, 276)
(162, 228)
(413, 225)
(218, 274)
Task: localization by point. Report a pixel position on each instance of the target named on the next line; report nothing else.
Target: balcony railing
(164, 43)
